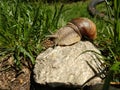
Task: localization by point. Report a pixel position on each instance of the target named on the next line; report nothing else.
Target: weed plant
(113, 43)
(23, 26)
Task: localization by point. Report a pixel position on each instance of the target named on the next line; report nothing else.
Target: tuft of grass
(23, 26)
(112, 46)
(78, 9)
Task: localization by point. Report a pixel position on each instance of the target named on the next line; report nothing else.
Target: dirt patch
(12, 79)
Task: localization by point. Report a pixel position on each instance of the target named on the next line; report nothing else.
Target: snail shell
(74, 31)
(86, 27)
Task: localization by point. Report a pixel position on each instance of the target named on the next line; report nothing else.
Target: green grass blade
(22, 50)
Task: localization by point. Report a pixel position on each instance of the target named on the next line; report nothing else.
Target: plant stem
(107, 80)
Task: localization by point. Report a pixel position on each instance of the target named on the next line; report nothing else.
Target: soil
(11, 78)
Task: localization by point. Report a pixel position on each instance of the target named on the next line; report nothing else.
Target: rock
(69, 65)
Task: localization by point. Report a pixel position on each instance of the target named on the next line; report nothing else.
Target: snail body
(74, 31)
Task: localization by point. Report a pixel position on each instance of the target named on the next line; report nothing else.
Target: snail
(74, 31)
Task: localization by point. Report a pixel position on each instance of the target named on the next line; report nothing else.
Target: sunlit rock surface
(69, 65)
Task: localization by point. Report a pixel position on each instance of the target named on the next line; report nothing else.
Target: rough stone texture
(68, 65)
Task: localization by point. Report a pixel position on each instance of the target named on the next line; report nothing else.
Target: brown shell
(86, 27)
(74, 30)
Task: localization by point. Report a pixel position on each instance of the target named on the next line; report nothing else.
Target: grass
(113, 44)
(23, 26)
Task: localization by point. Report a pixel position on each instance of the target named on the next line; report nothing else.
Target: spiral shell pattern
(86, 27)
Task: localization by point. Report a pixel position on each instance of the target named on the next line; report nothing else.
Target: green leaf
(116, 67)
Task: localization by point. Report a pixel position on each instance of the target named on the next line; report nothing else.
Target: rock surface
(69, 65)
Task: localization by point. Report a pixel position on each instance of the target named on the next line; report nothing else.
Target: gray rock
(69, 65)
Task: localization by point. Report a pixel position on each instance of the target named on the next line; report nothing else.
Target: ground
(12, 79)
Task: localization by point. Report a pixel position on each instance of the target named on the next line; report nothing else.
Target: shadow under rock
(47, 87)
(60, 86)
